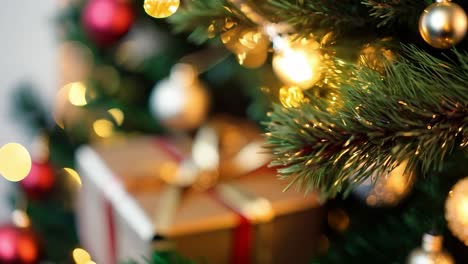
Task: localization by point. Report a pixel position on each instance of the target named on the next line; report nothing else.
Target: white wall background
(27, 52)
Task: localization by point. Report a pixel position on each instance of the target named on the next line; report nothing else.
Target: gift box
(211, 199)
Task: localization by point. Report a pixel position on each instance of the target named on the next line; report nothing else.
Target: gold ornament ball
(161, 8)
(456, 210)
(443, 24)
(431, 252)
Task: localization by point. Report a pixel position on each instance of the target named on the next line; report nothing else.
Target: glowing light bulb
(298, 63)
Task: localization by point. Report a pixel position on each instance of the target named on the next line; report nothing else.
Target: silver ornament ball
(443, 24)
(180, 101)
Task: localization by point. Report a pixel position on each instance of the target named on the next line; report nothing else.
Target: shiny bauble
(388, 190)
(443, 24)
(298, 62)
(456, 210)
(106, 21)
(40, 181)
(18, 246)
(180, 101)
(161, 8)
(431, 252)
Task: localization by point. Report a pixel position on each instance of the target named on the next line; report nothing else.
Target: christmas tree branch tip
(415, 114)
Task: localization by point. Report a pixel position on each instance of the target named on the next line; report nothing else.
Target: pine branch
(417, 112)
(317, 16)
(391, 11)
(208, 18)
(204, 19)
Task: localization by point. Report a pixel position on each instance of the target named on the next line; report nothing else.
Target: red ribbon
(111, 231)
(242, 236)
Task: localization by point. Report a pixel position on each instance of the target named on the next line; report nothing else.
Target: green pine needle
(418, 112)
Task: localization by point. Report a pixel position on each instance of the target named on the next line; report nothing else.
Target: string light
(297, 62)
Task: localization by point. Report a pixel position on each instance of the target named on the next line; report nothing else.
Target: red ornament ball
(106, 21)
(40, 181)
(18, 246)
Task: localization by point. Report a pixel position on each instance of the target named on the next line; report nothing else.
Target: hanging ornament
(249, 45)
(297, 61)
(161, 8)
(388, 190)
(443, 24)
(180, 101)
(106, 21)
(456, 210)
(431, 252)
(18, 246)
(291, 97)
(40, 181)
(41, 178)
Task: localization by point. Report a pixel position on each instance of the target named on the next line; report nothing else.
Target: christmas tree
(363, 104)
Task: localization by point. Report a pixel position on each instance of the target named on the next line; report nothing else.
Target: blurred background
(29, 55)
(167, 131)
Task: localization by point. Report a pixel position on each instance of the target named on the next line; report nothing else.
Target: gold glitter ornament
(291, 97)
(161, 8)
(443, 24)
(431, 252)
(456, 210)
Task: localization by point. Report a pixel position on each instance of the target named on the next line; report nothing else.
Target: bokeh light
(15, 162)
(80, 256)
(74, 175)
(76, 93)
(20, 218)
(117, 114)
(103, 128)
